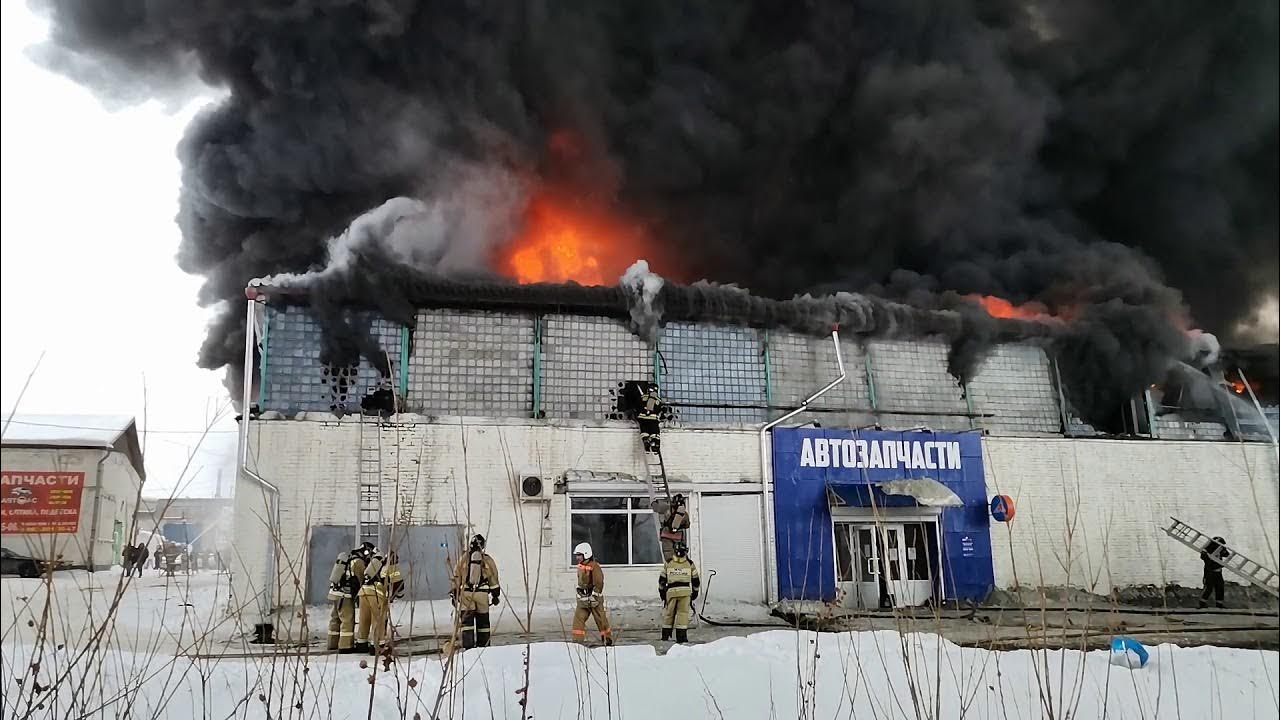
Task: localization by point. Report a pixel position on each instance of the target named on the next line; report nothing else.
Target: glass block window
(294, 379)
(801, 364)
(712, 373)
(585, 360)
(471, 363)
(1014, 384)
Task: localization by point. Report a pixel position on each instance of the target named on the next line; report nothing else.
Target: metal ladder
(1246, 568)
(657, 475)
(369, 501)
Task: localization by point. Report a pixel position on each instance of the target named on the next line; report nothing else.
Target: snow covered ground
(139, 670)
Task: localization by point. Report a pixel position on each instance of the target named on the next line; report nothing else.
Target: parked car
(12, 563)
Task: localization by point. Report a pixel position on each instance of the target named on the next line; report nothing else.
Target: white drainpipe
(1275, 447)
(272, 491)
(769, 546)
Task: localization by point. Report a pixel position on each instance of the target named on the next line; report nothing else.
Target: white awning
(926, 491)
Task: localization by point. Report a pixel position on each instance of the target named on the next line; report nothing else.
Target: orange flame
(562, 241)
(998, 307)
(1240, 388)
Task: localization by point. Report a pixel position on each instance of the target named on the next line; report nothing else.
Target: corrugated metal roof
(116, 432)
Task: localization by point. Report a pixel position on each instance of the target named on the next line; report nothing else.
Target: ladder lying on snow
(1239, 564)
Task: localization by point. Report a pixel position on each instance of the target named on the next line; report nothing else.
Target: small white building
(70, 486)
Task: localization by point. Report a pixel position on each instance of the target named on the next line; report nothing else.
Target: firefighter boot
(682, 635)
(666, 633)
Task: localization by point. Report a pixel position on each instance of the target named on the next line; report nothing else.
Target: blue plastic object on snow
(1127, 652)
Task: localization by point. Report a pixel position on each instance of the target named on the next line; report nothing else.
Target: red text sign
(40, 501)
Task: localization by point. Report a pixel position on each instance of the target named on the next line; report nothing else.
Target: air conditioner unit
(532, 487)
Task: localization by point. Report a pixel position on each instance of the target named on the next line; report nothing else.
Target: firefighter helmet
(680, 548)
(477, 542)
(583, 549)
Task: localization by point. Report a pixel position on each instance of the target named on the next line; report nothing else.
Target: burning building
(391, 169)
(498, 408)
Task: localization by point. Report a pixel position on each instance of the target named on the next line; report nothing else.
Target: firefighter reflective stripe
(590, 577)
(342, 621)
(678, 577)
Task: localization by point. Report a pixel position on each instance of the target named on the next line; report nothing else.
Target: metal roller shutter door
(729, 532)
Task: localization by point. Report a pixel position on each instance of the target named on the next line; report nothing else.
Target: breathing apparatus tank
(338, 589)
(373, 568)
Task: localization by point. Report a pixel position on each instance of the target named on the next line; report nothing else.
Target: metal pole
(1257, 406)
(768, 373)
(769, 549)
(1062, 399)
(263, 365)
(1151, 413)
(1265, 423)
(405, 333)
(871, 382)
(537, 365)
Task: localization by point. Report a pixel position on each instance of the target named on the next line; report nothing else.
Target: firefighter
(1213, 555)
(382, 584)
(475, 588)
(648, 416)
(590, 596)
(678, 588)
(674, 522)
(344, 587)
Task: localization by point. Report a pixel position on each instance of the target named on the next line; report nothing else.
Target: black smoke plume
(1114, 159)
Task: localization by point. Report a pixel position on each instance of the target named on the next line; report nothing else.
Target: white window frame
(629, 510)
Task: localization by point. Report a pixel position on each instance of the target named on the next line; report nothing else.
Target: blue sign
(810, 465)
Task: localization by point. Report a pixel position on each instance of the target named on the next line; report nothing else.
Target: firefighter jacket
(679, 578)
(590, 578)
(353, 581)
(387, 582)
(650, 405)
(675, 520)
(476, 572)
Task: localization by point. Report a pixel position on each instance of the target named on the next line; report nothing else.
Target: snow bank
(776, 674)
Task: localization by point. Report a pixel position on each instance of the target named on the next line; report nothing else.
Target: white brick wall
(460, 472)
(1090, 512)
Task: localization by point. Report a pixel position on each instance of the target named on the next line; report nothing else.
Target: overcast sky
(88, 273)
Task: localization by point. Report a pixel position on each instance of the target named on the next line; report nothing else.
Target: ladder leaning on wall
(1237, 563)
(369, 500)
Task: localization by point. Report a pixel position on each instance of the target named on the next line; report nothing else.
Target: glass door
(846, 563)
(870, 576)
(917, 563)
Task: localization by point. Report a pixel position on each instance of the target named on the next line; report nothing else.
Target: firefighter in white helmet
(590, 596)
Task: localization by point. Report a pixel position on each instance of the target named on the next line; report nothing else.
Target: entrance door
(880, 565)
(919, 543)
(858, 569)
